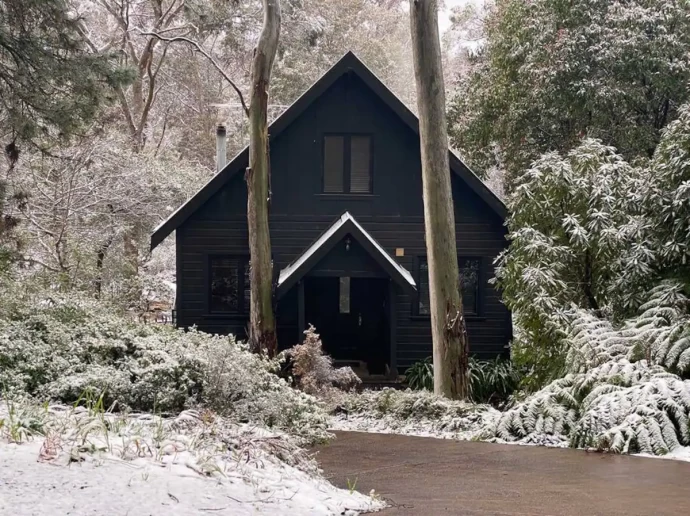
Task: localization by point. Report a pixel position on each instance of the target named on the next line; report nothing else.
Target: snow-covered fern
(660, 334)
(618, 393)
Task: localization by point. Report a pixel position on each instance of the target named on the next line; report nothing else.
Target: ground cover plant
(491, 381)
(55, 347)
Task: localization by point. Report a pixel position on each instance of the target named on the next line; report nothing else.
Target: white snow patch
(680, 453)
(107, 485)
(142, 464)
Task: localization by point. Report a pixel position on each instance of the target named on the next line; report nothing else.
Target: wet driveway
(428, 476)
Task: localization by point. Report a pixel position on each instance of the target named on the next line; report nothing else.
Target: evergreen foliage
(50, 83)
(550, 73)
(591, 231)
(54, 348)
(617, 394)
(491, 381)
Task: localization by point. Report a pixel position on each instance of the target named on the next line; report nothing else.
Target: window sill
(468, 318)
(347, 196)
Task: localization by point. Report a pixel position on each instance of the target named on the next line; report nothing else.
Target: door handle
(359, 319)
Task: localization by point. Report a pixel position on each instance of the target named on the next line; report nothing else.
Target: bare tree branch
(208, 56)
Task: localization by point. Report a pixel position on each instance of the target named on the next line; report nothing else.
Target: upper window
(469, 285)
(229, 284)
(347, 163)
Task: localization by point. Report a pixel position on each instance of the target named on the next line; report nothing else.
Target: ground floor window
(469, 285)
(229, 284)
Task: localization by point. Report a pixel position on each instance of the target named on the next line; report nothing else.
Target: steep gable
(349, 64)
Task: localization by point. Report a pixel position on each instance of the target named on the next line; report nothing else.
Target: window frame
(347, 164)
(478, 313)
(243, 260)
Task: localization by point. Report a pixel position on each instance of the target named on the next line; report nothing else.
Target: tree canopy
(550, 73)
(51, 83)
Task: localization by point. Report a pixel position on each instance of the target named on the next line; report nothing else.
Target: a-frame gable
(348, 63)
(346, 224)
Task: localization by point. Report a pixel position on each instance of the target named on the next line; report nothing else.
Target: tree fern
(622, 391)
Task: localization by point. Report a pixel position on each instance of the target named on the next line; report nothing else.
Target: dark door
(368, 319)
(350, 316)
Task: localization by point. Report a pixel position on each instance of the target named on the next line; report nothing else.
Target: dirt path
(428, 476)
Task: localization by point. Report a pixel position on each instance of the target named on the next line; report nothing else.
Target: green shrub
(491, 381)
(420, 375)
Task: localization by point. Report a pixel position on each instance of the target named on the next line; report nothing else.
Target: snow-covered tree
(668, 197)
(549, 73)
(578, 237)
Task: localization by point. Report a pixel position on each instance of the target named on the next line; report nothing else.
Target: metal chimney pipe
(221, 147)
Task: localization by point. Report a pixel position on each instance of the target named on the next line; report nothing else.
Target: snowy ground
(389, 425)
(145, 465)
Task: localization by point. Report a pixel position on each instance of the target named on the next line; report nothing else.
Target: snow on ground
(418, 413)
(419, 428)
(92, 464)
(111, 486)
(680, 453)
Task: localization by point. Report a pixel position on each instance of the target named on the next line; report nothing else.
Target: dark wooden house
(347, 232)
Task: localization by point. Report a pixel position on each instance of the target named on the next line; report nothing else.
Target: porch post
(393, 324)
(301, 317)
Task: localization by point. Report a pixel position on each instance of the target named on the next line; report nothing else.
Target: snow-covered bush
(59, 347)
(411, 412)
(618, 394)
(590, 230)
(668, 195)
(577, 237)
(313, 370)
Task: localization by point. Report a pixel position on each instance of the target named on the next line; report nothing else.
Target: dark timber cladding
(348, 148)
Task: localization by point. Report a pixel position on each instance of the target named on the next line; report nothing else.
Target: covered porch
(346, 285)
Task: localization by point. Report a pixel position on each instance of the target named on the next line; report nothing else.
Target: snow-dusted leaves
(618, 393)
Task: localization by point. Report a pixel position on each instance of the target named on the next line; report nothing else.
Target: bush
(617, 394)
(491, 381)
(59, 347)
(420, 375)
(313, 370)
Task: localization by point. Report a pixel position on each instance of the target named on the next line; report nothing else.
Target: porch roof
(346, 224)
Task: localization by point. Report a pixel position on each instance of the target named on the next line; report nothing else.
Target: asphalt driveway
(428, 476)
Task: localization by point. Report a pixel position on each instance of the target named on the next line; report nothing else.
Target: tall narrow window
(344, 295)
(229, 284)
(469, 285)
(334, 164)
(360, 164)
(347, 164)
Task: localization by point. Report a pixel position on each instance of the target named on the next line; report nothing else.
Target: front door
(350, 315)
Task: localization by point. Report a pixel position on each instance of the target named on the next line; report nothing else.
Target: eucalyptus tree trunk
(451, 349)
(262, 330)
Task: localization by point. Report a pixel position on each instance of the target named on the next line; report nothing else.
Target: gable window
(347, 163)
(229, 284)
(469, 285)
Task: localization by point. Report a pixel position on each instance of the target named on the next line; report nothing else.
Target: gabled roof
(348, 63)
(345, 225)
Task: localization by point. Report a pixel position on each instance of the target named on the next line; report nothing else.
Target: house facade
(347, 232)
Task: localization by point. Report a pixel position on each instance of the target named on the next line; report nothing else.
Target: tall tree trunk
(262, 321)
(450, 343)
